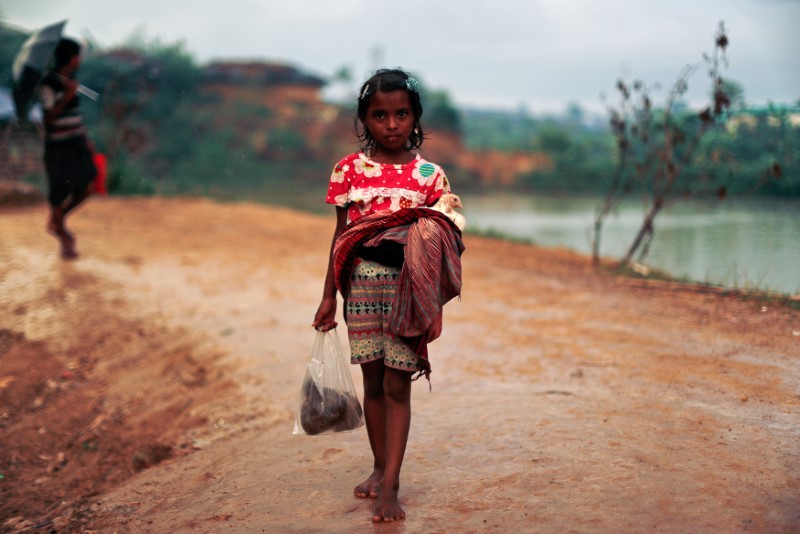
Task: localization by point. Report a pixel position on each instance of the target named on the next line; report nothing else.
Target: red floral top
(364, 186)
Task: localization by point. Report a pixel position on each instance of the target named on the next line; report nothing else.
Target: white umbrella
(31, 63)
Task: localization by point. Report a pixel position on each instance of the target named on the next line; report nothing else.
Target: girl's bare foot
(369, 488)
(66, 239)
(388, 508)
(68, 251)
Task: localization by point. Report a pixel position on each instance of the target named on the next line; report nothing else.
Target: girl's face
(74, 63)
(390, 120)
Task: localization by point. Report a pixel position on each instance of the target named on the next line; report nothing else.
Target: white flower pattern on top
(341, 200)
(364, 186)
(367, 168)
(337, 176)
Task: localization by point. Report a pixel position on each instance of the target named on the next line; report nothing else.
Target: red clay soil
(151, 386)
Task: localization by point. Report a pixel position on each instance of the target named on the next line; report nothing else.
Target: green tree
(580, 157)
(554, 140)
(143, 85)
(575, 114)
(762, 149)
(440, 112)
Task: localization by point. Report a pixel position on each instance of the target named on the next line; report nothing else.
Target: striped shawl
(431, 272)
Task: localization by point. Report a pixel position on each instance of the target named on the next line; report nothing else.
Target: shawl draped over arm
(431, 272)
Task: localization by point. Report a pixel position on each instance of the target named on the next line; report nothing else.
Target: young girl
(396, 263)
(67, 150)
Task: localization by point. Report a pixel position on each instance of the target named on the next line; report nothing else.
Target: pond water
(749, 244)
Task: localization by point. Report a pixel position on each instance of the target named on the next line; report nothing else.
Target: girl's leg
(58, 229)
(77, 199)
(66, 237)
(397, 398)
(375, 417)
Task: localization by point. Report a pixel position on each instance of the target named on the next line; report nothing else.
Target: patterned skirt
(367, 310)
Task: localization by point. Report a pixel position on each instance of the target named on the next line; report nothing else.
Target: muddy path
(151, 385)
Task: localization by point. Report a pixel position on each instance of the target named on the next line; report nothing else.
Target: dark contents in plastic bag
(331, 410)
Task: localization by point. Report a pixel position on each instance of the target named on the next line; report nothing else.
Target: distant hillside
(171, 126)
(295, 124)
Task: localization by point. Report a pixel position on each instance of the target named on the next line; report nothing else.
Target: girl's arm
(324, 319)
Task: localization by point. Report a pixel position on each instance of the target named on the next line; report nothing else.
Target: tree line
(163, 137)
(736, 154)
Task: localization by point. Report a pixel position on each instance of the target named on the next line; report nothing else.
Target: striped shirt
(69, 123)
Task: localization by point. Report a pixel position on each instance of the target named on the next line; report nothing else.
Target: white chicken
(447, 204)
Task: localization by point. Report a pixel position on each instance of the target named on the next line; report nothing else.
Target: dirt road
(150, 386)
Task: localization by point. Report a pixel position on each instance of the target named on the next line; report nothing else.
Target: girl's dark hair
(385, 81)
(65, 51)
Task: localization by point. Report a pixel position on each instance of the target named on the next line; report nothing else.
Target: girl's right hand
(70, 88)
(324, 319)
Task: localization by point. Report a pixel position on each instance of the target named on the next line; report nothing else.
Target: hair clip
(412, 85)
(364, 93)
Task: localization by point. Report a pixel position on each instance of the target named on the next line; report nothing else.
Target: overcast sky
(500, 53)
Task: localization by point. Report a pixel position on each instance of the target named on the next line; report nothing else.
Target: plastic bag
(328, 401)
